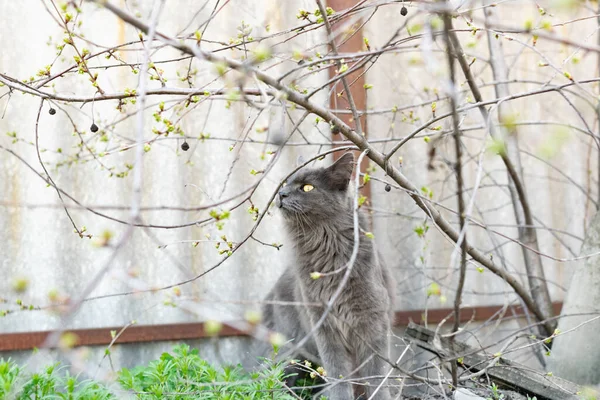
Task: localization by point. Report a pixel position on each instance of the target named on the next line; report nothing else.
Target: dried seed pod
(185, 146)
(388, 187)
(94, 128)
(51, 111)
(404, 11)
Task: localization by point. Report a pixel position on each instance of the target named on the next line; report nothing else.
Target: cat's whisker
(305, 222)
(301, 222)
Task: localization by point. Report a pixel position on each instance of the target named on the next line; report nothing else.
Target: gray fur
(320, 225)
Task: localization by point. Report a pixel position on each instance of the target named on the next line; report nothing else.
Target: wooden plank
(349, 45)
(189, 331)
(482, 313)
(507, 373)
(102, 336)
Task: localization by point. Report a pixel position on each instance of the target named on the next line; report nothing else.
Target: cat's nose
(282, 195)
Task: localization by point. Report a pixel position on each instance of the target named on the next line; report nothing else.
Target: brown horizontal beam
(188, 331)
(482, 313)
(103, 336)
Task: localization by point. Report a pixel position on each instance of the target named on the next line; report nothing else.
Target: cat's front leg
(336, 361)
(373, 344)
(375, 369)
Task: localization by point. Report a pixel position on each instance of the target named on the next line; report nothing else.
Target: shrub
(180, 375)
(53, 383)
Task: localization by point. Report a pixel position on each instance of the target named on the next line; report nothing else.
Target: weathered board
(507, 373)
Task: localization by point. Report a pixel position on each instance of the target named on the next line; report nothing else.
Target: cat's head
(317, 193)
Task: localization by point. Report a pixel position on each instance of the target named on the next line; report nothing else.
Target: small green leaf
(497, 146)
(212, 327)
(434, 290)
(361, 200)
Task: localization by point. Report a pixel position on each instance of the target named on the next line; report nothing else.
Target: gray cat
(318, 211)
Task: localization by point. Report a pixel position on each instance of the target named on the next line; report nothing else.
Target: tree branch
(359, 140)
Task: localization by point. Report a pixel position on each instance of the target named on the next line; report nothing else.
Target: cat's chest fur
(328, 252)
(325, 248)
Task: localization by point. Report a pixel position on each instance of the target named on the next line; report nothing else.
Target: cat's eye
(308, 187)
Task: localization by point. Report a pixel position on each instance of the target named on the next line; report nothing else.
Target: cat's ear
(300, 160)
(340, 172)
